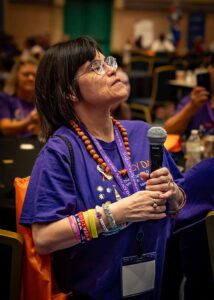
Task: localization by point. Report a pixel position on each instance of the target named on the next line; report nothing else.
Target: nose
(110, 70)
(31, 77)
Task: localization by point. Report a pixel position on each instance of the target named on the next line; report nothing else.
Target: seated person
(187, 253)
(18, 116)
(194, 111)
(162, 44)
(122, 111)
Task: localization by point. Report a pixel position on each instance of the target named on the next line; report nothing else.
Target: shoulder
(5, 98)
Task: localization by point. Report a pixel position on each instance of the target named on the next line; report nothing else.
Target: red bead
(124, 133)
(84, 137)
(123, 172)
(80, 133)
(104, 165)
(89, 147)
(107, 169)
(92, 152)
(95, 156)
(88, 142)
(100, 161)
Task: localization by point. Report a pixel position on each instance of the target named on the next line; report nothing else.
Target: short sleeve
(51, 193)
(4, 107)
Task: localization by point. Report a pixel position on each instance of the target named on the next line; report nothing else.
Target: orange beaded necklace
(93, 152)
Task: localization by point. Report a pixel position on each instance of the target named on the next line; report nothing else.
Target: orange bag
(37, 281)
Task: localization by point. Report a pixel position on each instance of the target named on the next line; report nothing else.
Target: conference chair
(17, 156)
(210, 236)
(11, 250)
(141, 63)
(143, 108)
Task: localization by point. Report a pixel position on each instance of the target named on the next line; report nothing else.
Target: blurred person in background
(122, 111)
(18, 116)
(194, 111)
(162, 44)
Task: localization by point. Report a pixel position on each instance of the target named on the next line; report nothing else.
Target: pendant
(107, 176)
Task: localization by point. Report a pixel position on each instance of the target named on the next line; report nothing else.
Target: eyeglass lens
(99, 66)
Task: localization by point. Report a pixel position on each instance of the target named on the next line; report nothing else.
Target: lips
(116, 81)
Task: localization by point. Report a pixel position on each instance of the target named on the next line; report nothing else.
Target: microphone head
(156, 135)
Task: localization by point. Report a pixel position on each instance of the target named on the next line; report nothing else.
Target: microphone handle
(156, 157)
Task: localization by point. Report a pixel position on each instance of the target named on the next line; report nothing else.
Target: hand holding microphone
(160, 178)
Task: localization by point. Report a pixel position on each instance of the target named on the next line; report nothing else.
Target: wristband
(74, 227)
(92, 223)
(99, 217)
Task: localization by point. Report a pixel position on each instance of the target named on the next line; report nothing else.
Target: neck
(28, 96)
(98, 123)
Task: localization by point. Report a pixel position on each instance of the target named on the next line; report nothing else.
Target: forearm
(50, 237)
(13, 127)
(178, 123)
(83, 226)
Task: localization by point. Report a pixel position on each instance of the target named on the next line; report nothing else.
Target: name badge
(138, 274)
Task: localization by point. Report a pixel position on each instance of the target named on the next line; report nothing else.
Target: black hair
(55, 81)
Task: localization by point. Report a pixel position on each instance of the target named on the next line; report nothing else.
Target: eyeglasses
(100, 66)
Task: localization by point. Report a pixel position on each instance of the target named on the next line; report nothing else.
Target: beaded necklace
(90, 148)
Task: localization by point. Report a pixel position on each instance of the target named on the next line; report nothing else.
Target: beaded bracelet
(114, 227)
(99, 217)
(74, 227)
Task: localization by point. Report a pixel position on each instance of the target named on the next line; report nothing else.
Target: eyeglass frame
(103, 63)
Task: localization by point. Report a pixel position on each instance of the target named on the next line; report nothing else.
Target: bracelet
(114, 227)
(184, 198)
(84, 227)
(82, 236)
(92, 223)
(75, 228)
(99, 217)
(173, 213)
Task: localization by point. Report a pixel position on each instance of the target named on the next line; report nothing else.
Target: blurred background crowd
(161, 49)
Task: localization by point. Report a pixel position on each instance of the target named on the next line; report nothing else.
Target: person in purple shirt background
(195, 111)
(187, 255)
(102, 217)
(18, 116)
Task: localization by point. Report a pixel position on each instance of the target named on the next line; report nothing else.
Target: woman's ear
(73, 96)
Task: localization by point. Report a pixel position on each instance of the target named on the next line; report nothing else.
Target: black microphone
(157, 137)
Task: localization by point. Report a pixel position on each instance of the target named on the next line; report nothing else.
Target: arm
(178, 123)
(14, 127)
(50, 237)
(137, 207)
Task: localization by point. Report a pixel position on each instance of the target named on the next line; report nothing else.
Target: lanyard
(113, 168)
(125, 159)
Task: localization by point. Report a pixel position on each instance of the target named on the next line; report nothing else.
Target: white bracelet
(99, 217)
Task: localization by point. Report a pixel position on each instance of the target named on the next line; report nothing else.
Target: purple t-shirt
(93, 269)
(14, 108)
(205, 117)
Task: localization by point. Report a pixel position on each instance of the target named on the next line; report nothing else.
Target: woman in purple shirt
(18, 116)
(102, 217)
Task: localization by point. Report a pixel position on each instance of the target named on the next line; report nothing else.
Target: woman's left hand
(161, 180)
